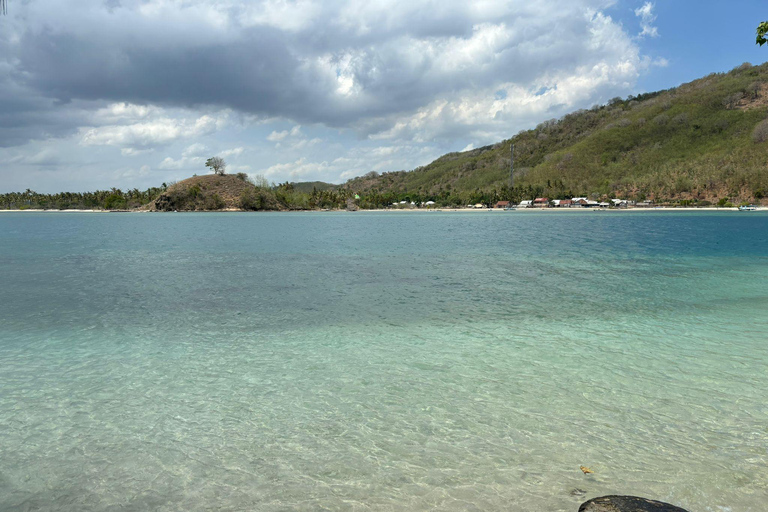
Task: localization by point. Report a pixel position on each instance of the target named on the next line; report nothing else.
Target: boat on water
(748, 208)
(510, 209)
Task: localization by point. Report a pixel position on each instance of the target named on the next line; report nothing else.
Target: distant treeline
(113, 199)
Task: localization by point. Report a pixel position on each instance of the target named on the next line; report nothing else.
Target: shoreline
(410, 210)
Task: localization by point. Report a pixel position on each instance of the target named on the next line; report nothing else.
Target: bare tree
(217, 165)
(4, 6)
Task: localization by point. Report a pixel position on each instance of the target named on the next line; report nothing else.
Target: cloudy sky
(134, 93)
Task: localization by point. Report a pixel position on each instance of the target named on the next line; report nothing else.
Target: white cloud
(353, 162)
(151, 132)
(193, 158)
(486, 116)
(234, 152)
(196, 149)
(185, 162)
(135, 152)
(645, 13)
(124, 112)
(398, 81)
(276, 136)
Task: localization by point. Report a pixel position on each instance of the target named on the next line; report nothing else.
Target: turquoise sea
(382, 361)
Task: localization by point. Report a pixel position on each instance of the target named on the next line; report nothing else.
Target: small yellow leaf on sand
(585, 469)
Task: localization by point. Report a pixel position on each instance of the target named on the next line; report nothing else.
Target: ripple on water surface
(381, 362)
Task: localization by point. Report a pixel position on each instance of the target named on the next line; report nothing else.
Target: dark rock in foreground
(627, 504)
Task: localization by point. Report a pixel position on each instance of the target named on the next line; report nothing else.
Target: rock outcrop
(627, 504)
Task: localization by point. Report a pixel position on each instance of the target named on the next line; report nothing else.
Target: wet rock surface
(627, 504)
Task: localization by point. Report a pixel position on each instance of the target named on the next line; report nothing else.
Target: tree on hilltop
(217, 165)
(762, 30)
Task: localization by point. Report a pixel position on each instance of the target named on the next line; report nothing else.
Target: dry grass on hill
(214, 192)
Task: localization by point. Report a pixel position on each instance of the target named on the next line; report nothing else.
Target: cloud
(353, 161)
(231, 152)
(337, 63)
(153, 77)
(276, 136)
(193, 159)
(150, 132)
(185, 162)
(134, 151)
(46, 157)
(195, 149)
(645, 13)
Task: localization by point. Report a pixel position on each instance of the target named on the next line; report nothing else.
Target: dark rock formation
(627, 504)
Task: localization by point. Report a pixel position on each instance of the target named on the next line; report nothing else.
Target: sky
(135, 93)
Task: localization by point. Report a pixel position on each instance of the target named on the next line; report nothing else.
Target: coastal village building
(541, 202)
(565, 203)
(583, 202)
(579, 202)
(502, 204)
(526, 204)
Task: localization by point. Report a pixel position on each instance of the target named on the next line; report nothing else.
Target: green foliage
(252, 200)
(724, 203)
(762, 30)
(99, 200)
(213, 202)
(693, 143)
(115, 201)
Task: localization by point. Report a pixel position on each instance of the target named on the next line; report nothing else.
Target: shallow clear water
(382, 361)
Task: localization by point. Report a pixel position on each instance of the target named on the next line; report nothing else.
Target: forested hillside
(698, 143)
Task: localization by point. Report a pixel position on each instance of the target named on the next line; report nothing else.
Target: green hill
(214, 192)
(306, 187)
(700, 142)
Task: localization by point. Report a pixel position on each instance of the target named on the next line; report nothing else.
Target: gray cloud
(342, 64)
(137, 76)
